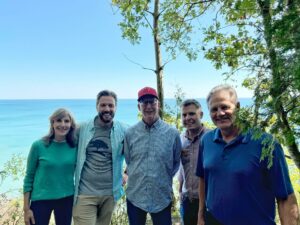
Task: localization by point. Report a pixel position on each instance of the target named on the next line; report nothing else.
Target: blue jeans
(62, 208)
(137, 216)
(189, 211)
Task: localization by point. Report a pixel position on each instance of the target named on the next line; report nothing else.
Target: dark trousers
(137, 216)
(210, 219)
(62, 209)
(189, 211)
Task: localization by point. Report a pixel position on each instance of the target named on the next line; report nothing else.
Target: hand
(200, 218)
(180, 197)
(201, 221)
(28, 217)
(124, 180)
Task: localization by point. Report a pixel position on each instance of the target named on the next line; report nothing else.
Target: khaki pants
(93, 210)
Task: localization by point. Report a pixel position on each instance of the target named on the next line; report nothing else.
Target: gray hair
(222, 87)
(107, 93)
(191, 101)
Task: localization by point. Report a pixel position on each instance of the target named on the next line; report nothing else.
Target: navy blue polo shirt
(239, 188)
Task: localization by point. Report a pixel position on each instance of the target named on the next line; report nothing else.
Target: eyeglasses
(151, 101)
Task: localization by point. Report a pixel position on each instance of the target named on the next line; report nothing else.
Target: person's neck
(230, 134)
(192, 133)
(103, 124)
(59, 139)
(149, 123)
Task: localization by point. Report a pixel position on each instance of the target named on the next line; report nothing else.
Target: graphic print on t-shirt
(96, 176)
(99, 146)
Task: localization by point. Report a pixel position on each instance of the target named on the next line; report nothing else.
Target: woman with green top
(49, 180)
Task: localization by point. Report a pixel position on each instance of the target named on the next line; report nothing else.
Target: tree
(172, 114)
(11, 209)
(263, 43)
(259, 38)
(171, 25)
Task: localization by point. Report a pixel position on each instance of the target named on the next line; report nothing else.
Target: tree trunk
(158, 58)
(277, 84)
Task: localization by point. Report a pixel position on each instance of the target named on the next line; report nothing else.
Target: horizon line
(38, 99)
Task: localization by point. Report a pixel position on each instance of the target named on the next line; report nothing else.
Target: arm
(282, 187)
(31, 167)
(32, 163)
(200, 174)
(124, 177)
(288, 210)
(126, 151)
(201, 201)
(28, 214)
(176, 154)
(180, 180)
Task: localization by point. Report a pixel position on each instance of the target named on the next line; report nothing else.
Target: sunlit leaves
(175, 23)
(262, 38)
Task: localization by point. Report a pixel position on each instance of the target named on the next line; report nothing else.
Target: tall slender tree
(170, 22)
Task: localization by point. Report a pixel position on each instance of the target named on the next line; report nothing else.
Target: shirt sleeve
(126, 149)
(199, 169)
(180, 173)
(32, 164)
(176, 154)
(280, 178)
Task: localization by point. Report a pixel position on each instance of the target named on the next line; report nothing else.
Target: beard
(103, 116)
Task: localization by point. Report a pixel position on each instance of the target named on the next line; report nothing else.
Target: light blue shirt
(152, 156)
(117, 135)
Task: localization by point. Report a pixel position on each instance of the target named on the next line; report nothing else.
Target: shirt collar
(156, 124)
(243, 137)
(92, 123)
(200, 132)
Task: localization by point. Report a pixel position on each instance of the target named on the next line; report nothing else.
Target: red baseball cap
(147, 91)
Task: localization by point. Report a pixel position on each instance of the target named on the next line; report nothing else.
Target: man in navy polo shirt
(236, 188)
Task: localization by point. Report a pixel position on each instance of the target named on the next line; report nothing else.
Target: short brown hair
(191, 101)
(107, 93)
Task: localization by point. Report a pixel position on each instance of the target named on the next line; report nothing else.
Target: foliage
(209, 125)
(11, 209)
(175, 22)
(260, 39)
(170, 23)
(120, 213)
(172, 115)
(13, 169)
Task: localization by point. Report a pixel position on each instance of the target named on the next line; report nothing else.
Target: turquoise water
(24, 121)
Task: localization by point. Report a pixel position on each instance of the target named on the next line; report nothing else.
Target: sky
(73, 49)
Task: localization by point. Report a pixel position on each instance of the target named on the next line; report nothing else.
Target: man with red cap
(152, 153)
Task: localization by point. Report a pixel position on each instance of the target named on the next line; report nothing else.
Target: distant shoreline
(75, 99)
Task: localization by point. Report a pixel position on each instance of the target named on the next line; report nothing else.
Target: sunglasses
(150, 101)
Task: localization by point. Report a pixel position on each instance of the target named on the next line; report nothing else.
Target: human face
(149, 107)
(222, 107)
(191, 117)
(61, 128)
(106, 108)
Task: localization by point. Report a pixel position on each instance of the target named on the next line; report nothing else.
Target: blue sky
(73, 49)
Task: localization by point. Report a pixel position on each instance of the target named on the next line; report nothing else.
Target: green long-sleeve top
(50, 171)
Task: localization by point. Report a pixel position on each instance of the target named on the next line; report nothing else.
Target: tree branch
(136, 63)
